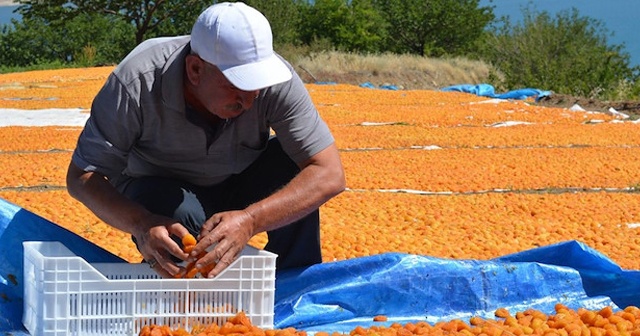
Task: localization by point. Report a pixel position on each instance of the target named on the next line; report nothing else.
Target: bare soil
(631, 108)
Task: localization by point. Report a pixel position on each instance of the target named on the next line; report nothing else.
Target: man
(179, 141)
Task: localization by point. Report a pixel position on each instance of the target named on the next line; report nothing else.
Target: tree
(65, 29)
(284, 17)
(25, 44)
(568, 54)
(89, 39)
(434, 27)
(353, 25)
(146, 15)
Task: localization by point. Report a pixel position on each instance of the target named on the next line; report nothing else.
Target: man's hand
(227, 233)
(320, 178)
(152, 232)
(156, 245)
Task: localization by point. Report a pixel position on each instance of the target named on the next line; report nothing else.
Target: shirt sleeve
(296, 121)
(110, 132)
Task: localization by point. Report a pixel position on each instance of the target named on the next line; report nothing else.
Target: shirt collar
(172, 79)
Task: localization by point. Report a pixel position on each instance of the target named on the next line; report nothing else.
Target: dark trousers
(297, 244)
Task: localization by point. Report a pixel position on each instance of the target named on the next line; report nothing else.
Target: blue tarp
(16, 226)
(338, 296)
(370, 85)
(487, 90)
(342, 295)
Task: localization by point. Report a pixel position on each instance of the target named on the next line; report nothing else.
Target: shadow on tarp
(339, 296)
(18, 225)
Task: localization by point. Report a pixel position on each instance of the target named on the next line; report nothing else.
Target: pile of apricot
(565, 322)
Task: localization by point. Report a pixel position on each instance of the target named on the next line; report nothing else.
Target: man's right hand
(152, 232)
(157, 247)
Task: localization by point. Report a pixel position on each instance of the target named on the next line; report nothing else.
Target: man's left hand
(227, 233)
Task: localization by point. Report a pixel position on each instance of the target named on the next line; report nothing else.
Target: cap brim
(258, 75)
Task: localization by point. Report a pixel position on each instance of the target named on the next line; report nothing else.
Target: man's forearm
(97, 194)
(313, 186)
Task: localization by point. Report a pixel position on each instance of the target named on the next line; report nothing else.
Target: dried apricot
(189, 240)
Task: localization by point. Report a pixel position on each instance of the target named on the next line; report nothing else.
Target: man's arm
(152, 232)
(321, 178)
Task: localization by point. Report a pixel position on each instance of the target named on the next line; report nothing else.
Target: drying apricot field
(443, 174)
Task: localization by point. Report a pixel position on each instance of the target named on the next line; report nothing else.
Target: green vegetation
(567, 54)
(356, 26)
(433, 28)
(147, 18)
(85, 40)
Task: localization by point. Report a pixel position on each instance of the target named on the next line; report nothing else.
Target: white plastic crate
(66, 295)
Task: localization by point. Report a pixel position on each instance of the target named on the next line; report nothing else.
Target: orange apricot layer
(537, 135)
(390, 137)
(450, 170)
(48, 138)
(346, 105)
(56, 75)
(357, 224)
(462, 170)
(484, 226)
(64, 88)
(364, 223)
(34, 169)
(339, 104)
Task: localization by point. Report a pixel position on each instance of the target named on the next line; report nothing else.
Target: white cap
(237, 39)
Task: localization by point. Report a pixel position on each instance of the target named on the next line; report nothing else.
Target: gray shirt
(140, 126)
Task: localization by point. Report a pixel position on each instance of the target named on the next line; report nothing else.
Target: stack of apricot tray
(425, 171)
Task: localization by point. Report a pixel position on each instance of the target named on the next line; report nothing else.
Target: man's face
(215, 93)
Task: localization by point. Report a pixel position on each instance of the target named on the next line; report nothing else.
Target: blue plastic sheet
(16, 226)
(370, 85)
(339, 296)
(408, 288)
(599, 274)
(487, 90)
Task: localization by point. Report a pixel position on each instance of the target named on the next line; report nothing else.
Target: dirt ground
(631, 108)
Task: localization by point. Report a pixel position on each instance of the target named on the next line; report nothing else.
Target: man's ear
(194, 67)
